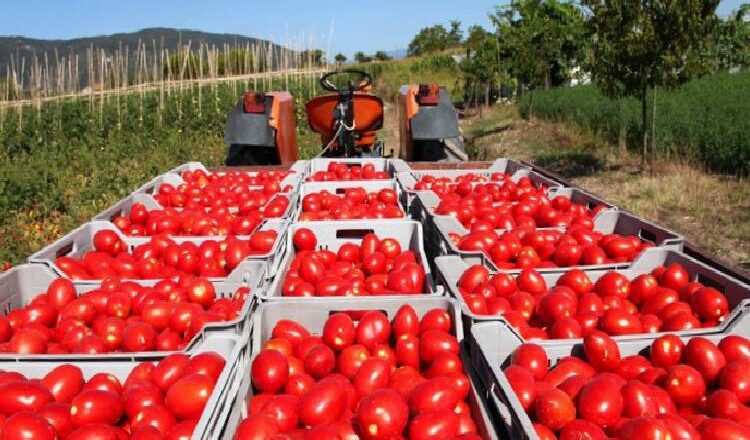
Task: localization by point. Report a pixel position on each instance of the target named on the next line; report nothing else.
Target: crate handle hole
(647, 235)
(65, 250)
(353, 233)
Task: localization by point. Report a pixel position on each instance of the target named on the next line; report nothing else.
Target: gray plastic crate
(232, 347)
(507, 166)
(19, 285)
(313, 314)
(390, 166)
(340, 187)
(607, 222)
(331, 235)
(451, 268)
(492, 344)
(79, 241)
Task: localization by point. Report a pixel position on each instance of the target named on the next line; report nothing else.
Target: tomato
(531, 281)
(27, 341)
(405, 321)
(256, 427)
(554, 409)
(666, 351)
(674, 277)
(304, 239)
(684, 384)
(619, 322)
(283, 409)
(734, 377)
(187, 397)
(168, 370)
(372, 375)
(324, 403)
(382, 414)
(721, 429)
(645, 428)
(523, 384)
(138, 336)
(735, 348)
(96, 406)
(351, 359)
(157, 417)
(613, 283)
(64, 382)
(319, 361)
(601, 351)
(581, 429)
(434, 425)
(27, 425)
(109, 242)
(642, 287)
(141, 396)
(374, 328)
(473, 277)
(638, 400)
(567, 367)
(709, 304)
(600, 401)
(23, 396)
(577, 280)
(435, 342)
(705, 356)
(435, 394)
(533, 358)
(269, 371)
(209, 363)
(60, 292)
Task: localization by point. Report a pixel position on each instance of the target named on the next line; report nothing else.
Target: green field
(704, 121)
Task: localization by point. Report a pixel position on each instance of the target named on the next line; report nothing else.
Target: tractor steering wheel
(355, 84)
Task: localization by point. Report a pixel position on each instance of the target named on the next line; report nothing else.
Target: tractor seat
(368, 114)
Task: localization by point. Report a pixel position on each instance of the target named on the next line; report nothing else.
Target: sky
(348, 25)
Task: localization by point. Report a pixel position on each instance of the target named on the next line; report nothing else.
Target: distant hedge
(707, 119)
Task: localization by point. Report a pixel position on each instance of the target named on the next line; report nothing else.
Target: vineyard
(66, 159)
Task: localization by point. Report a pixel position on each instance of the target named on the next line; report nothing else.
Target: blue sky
(364, 25)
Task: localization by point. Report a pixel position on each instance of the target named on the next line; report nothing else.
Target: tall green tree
(483, 65)
(381, 56)
(428, 40)
(543, 39)
(340, 58)
(360, 57)
(640, 45)
(455, 35)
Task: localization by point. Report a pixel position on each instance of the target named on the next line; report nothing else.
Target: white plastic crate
(331, 235)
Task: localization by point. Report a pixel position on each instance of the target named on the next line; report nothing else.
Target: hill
(19, 47)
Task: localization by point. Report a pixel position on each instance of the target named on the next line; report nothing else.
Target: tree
(455, 35)
(729, 44)
(640, 45)
(382, 56)
(314, 57)
(485, 65)
(428, 40)
(340, 58)
(543, 38)
(476, 38)
(360, 57)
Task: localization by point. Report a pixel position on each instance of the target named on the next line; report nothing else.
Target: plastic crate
(331, 235)
(19, 285)
(507, 166)
(174, 179)
(390, 166)
(79, 241)
(492, 344)
(606, 222)
(340, 187)
(313, 314)
(451, 268)
(232, 347)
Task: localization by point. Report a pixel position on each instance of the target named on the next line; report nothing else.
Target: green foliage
(340, 58)
(381, 56)
(71, 159)
(433, 39)
(360, 57)
(542, 39)
(705, 120)
(729, 45)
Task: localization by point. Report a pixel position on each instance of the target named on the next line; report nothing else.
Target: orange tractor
(261, 129)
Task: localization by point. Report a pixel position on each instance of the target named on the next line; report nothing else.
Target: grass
(711, 211)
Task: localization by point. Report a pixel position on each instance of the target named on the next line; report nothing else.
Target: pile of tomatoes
(342, 171)
(695, 390)
(165, 400)
(363, 376)
(578, 245)
(443, 185)
(219, 190)
(512, 207)
(664, 300)
(355, 203)
(251, 211)
(374, 267)
(162, 258)
(117, 316)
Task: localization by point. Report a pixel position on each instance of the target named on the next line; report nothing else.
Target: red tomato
(187, 397)
(705, 356)
(666, 351)
(382, 414)
(23, 396)
(554, 409)
(523, 385)
(304, 239)
(601, 351)
(533, 358)
(96, 406)
(27, 425)
(734, 377)
(269, 371)
(324, 403)
(64, 382)
(684, 384)
(434, 425)
(374, 328)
